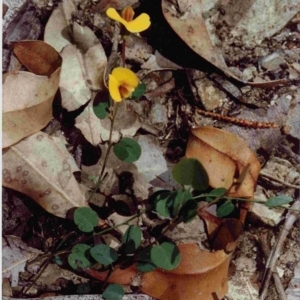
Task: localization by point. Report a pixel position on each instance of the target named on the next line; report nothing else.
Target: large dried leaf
(199, 273)
(192, 30)
(58, 31)
(37, 56)
(224, 157)
(27, 104)
(42, 168)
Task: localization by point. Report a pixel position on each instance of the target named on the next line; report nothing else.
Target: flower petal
(127, 13)
(126, 93)
(141, 23)
(113, 14)
(113, 87)
(125, 77)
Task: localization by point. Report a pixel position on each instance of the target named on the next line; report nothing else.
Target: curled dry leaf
(224, 157)
(27, 104)
(205, 274)
(42, 168)
(27, 97)
(192, 30)
(37, 56)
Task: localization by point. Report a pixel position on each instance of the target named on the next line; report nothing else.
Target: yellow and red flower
(121, 83)
(141, 23)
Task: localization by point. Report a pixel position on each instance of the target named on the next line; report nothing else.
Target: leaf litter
(151, 172)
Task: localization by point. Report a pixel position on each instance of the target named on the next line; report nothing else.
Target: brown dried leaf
(42, 168)
(205, 274)
(27, 104)
(224, 157)
(192, 30)
(37, 56)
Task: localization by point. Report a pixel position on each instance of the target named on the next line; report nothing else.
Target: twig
(237, 121)
(293, 186)
(269, 270)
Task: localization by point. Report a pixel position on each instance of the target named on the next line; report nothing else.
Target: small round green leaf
(189, 171)
(180, 197)
(278, 201)
(139, 91)
(86, 219)
(215, 194)
(165, 256)
(77, 258)
(113, 292)
(162, 208)
(132, 239)
(143, 262)
(101, 110)
(104, 254)
(225, 209)
(127, 150)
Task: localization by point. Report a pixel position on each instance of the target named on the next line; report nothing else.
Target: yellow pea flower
(121, 83)
(141, 23)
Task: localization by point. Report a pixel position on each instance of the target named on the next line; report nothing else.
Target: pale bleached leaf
(40, 168)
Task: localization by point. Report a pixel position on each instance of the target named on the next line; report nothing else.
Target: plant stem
(123, 51)
(110, 143)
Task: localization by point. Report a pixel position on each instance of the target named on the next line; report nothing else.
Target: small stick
(292, 216)
(293, 186)
(237, 121)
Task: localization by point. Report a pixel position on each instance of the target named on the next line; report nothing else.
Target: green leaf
(161, 206)
(143, 262)
(278, 201)
(215, 194)
(101, 110)
(113, 292)
(189, 171)
(180, 197)
(86, 219)
(225, 209)
(104, 254)
(132, 239)
(165, 256)
(188, 211)
(77, 258)
(139, 91)
(127, 150)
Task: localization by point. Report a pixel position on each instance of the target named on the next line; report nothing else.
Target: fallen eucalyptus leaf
(224, 156)
(41, 168)
(27, 104)
(37, 56)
